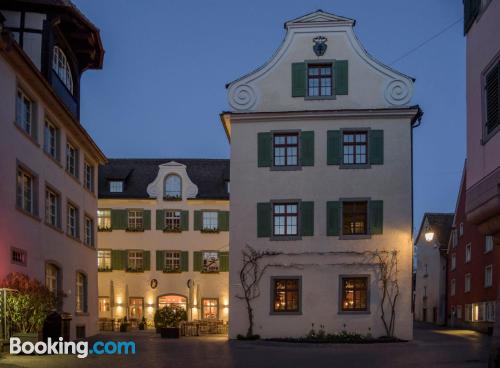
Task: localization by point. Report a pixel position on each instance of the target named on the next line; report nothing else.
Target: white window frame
(173, 220)
(173, 187)
(210, 220)
(104, 304)
(72, 219)
(52, 207)
(104, 219)
(116, 186)
(468, 252)
(488, 276)
(135, 260)
(72, 159)
(61, 67)
(80, 293)
(461, 229)
(89, 231)
(172, 260)
(25, 190)
(104, 259)
(468, 283)
(135, 219)
(88, 175)
(50, 141)
(51, 277)
(24, 112)
(488, 243)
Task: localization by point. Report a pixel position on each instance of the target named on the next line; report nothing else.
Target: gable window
(468, 252)
(81, 293)
(467, 285)
(24, 113)
(72, 220)
(61, 66)
(104, 304)
(211, 262)
(286, 295)
(354, 218)
(116, 186)
(19, 256)
(488, 243)
(51, 276)
(354, 294)
(453, 261)
(173, 186)
(173, 220)
(319, 80)
(135, 220)
(52, 208)
(103, 220)
(355, 148)
(172, 261)
(210, 220)
(104, 260)
(492, 99)
(88, 174)
(285, 219)
(89, 232)
(50, 140)
(72, 160)
(210, 308)
(286, 149)
(453, 285)
(488, 276)
(135, 260)
(25, 191)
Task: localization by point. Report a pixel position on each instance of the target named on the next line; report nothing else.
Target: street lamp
(429, 234)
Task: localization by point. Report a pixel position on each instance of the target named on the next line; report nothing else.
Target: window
(103, 219)
(468, 279)
(135, 261)
(354, 294)
(478, 312)
(210, 220)
(319, 80)
(354, 218)
(89, 232)
(173, 187)
(50, 140)
(459, 311)
(453, 261)
(71, 160)
(468, 312)
(453, 286)
(73, 228)
(25, 191)
(52, 208)
(286, 149)
(210, 309)
(488, 243)
(454, 238)
(88, 174)
(19, 256)
(135, 220)
(104, 304)
(173, 220)
(468, 252)
(492, 99)
(116, 186)
(285, 219)
(211, 262)
(24, 113)
(488, 276)
(51, 276)
(172, 261)
(104, 260)
(461, 229)
(136, 306)
(81, 293)
(490, 311)
(286, 295)
(61, 66)
(355, 148)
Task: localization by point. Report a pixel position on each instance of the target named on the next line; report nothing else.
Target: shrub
(170, 316)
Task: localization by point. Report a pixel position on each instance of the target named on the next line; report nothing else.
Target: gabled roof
(321, 17)
(441, 224)
(210, 175)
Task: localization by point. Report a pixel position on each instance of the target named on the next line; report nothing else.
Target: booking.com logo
(80, 348)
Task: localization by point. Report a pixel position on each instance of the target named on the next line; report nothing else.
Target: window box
(167, 197)
(172, 270)
(172, 230)
(104, 229)
(210, 231)
(210, 271)
(134, 229)
(134, 270)
(104, 269)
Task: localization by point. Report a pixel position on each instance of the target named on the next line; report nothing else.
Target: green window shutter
(376, 147)
(184, 220)
(264, 149)
(333, 147)
(160, 260)
(264, 220)
(224, 261)
(307, 218)
(307, 148)
(125, 259)
(333, 218)
(197, 261)
(299, 79)
(117, 260)
(223, 220)
(198, 220)
(146, 260)
(492, 97)
(341, 71)
(184, 261)
(119, 219)
(147, 220)
(160, 219)
(376, 217)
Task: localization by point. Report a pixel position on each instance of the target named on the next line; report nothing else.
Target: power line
(426, 41)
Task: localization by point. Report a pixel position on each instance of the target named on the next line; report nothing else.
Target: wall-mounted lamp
(429, 234)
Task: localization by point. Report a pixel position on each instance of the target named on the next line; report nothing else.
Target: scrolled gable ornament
(320, 46)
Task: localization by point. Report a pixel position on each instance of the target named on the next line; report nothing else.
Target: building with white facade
(321, 186)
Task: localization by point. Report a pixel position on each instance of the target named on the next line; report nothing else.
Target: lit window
(319, 80)
(354, 294)
(355, 148)
(104, 260)
(51, 276)
(286, 295)
(88, 173)
(172, 261)
(25, 191)
(89, 232)
(50, 140)
(468, 279)
(135, 261)
(81, 293)
(103, 220)
(210, 220)
(72, 160)
(61, 66)
(136, 306)
(488, 276)
(116, 186)
(354, 218)
(468, 252)
(72, 221)
(135, 220)
(104, 305)
(285, 219)
(173, 187)
(211, 262)
(210, 309)
(488, 243)
(52, 208)
(172, 220)
(24, 113)
(286, 149)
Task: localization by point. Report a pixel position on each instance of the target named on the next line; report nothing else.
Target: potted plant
(124, 324)
(157, 321)
(142, 324)
(170, 318)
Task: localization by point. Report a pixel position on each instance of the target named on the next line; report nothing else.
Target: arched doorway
(172, 299)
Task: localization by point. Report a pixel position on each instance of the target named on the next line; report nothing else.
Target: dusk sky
(167, 62)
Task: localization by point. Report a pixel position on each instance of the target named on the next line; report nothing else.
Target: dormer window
(61, 66)
(173, 188)
(319, 80)
(116, 186)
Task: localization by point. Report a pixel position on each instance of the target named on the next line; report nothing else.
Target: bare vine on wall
(385, 262)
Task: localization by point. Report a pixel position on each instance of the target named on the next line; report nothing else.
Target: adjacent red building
(473, 272)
